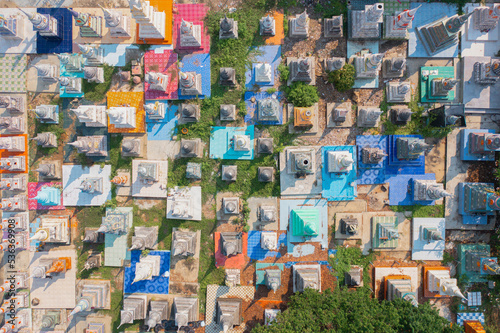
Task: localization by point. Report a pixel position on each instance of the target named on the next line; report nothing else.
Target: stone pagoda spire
(39, 21)
(486, 18)
(190, 34)
(147, 268)
(439, 281)
(151, 22)
(45, 24)
(441, 34)
(267, 26)
(454, 24)
(111, 17)
(228, 28)
(396, 27)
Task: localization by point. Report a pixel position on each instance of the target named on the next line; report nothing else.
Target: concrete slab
(340, 216)
(193, 194)
(221, 216)
(49, 291)
(286, 207)
(476, 97)
(435, 159)
(253, 220)
(25, 45)
(457, 173)
(313, 131)
(428, 13)
(163, 149)
(185, 270)
(37, 317)
(349, 119)
(404, 230)
(413, 69)
(125, 190)
(106, 37)
(381, 272)
(156, 189)
(355, 206)
(423, 249)
(79, 323)
(73, 175)
(308, 185)
(475, 43)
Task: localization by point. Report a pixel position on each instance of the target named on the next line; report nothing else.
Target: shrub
(284, 72)
(343, 79)
(302, 95)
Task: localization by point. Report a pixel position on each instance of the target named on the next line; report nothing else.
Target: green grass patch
(421, 211)
(116, 160)
(345, 258)
(418, 123)
(96, 92)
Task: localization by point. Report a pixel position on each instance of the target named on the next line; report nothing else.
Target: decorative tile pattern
(64, 44)
(256, 252)
(166, 63)
(157, 285)
(200, 64)
(34, 188)
(214, 292)
(252, 113)
(369, 174)
(339, 186)
(13, 73)
(395, 6)
(129, 98)
(461, 317)
(394, 166)
(194, 13)
(474, 298)
(237, 261)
